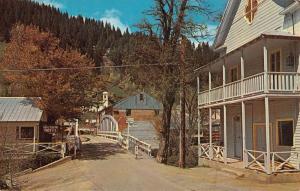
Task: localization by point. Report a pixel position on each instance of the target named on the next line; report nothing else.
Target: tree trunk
(162, 154)
(182, 128)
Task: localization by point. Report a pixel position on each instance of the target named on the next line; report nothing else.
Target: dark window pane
(27, 132)
(285, 133)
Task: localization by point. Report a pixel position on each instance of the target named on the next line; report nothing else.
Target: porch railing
(279, 82)
(256, 160)
(204, 150)
(217, 152)
(283, 161)
(279, 161)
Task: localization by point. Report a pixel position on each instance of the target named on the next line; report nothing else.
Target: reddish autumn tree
(63, 91)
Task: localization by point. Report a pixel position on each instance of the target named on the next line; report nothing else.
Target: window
(250, 10)
(234, 74)
(285, 133)
(25, 132)
(275, 61)
(142, 98)
(128, 112)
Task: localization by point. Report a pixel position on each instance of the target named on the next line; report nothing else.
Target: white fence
(22, 149)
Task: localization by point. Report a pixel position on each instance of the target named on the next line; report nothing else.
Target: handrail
(231, 83)
(253, 76)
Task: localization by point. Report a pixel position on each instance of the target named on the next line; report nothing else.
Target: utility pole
(182, 105)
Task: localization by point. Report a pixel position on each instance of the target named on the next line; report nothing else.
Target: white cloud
(52, 3)
(112, 16)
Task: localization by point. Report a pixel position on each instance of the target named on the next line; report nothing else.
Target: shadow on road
(99, 151)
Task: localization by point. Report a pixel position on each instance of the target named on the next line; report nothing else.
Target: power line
(81, 68)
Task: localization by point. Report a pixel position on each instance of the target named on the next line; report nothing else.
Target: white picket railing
(233, 89)
(277, 82)
(254, 84)
(216, 94)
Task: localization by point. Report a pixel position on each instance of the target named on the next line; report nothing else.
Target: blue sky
(120, 13)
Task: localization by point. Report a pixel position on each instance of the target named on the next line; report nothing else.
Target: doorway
(259, 136)
(237, 135)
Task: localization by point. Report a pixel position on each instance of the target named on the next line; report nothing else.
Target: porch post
(210, 135)
(245, 155)
(266, 88)
(267, 117)
(199, 122)
(225, 132)
(34, 138)
(224, 79)
(209, 86)
(242, 73)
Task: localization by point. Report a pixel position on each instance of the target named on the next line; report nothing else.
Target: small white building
(259, 94)
(20, 120)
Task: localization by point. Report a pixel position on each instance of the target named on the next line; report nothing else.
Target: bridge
(137, 135)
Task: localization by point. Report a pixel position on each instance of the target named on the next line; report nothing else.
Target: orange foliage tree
(63, 92)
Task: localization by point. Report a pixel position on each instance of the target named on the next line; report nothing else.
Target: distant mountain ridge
(91, 37)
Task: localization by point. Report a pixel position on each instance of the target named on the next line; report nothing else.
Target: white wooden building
(256, 84)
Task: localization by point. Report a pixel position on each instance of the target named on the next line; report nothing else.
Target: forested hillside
(91, 37)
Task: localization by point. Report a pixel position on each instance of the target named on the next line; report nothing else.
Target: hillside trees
(159, 48)
(89, 36)
(63, 92)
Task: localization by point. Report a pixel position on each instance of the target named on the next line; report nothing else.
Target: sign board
(50, 129)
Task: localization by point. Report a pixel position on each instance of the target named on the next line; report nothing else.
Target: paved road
(104, 166)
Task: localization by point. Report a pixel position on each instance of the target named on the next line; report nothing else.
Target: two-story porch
(257, 88)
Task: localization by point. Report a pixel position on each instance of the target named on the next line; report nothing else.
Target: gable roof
(133, 102)
(228, 18)
(19, 109)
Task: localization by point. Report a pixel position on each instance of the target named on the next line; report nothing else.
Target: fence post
(63, 148)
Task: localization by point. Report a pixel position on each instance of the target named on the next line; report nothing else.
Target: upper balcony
(268, 65)
(273, 83)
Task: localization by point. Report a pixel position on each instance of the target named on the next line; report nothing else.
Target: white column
(224, 79)
(245, 156)
(242, 73)
(34, 138)
(209, 86)
(268, 148)
(199, 120)
(266, 88)
(225, 133)
(76, 127)
(210, 135)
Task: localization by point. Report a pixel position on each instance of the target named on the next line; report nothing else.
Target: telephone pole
(182, 148)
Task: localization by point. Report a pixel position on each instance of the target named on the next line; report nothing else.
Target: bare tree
(159, 44)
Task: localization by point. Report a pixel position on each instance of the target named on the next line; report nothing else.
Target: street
(107, 167)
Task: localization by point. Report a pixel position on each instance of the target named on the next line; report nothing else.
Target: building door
(259, 137)
(237, 134)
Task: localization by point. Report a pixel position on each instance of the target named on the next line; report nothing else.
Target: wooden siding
(8, 131)
(267, 18)
(255, 114)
